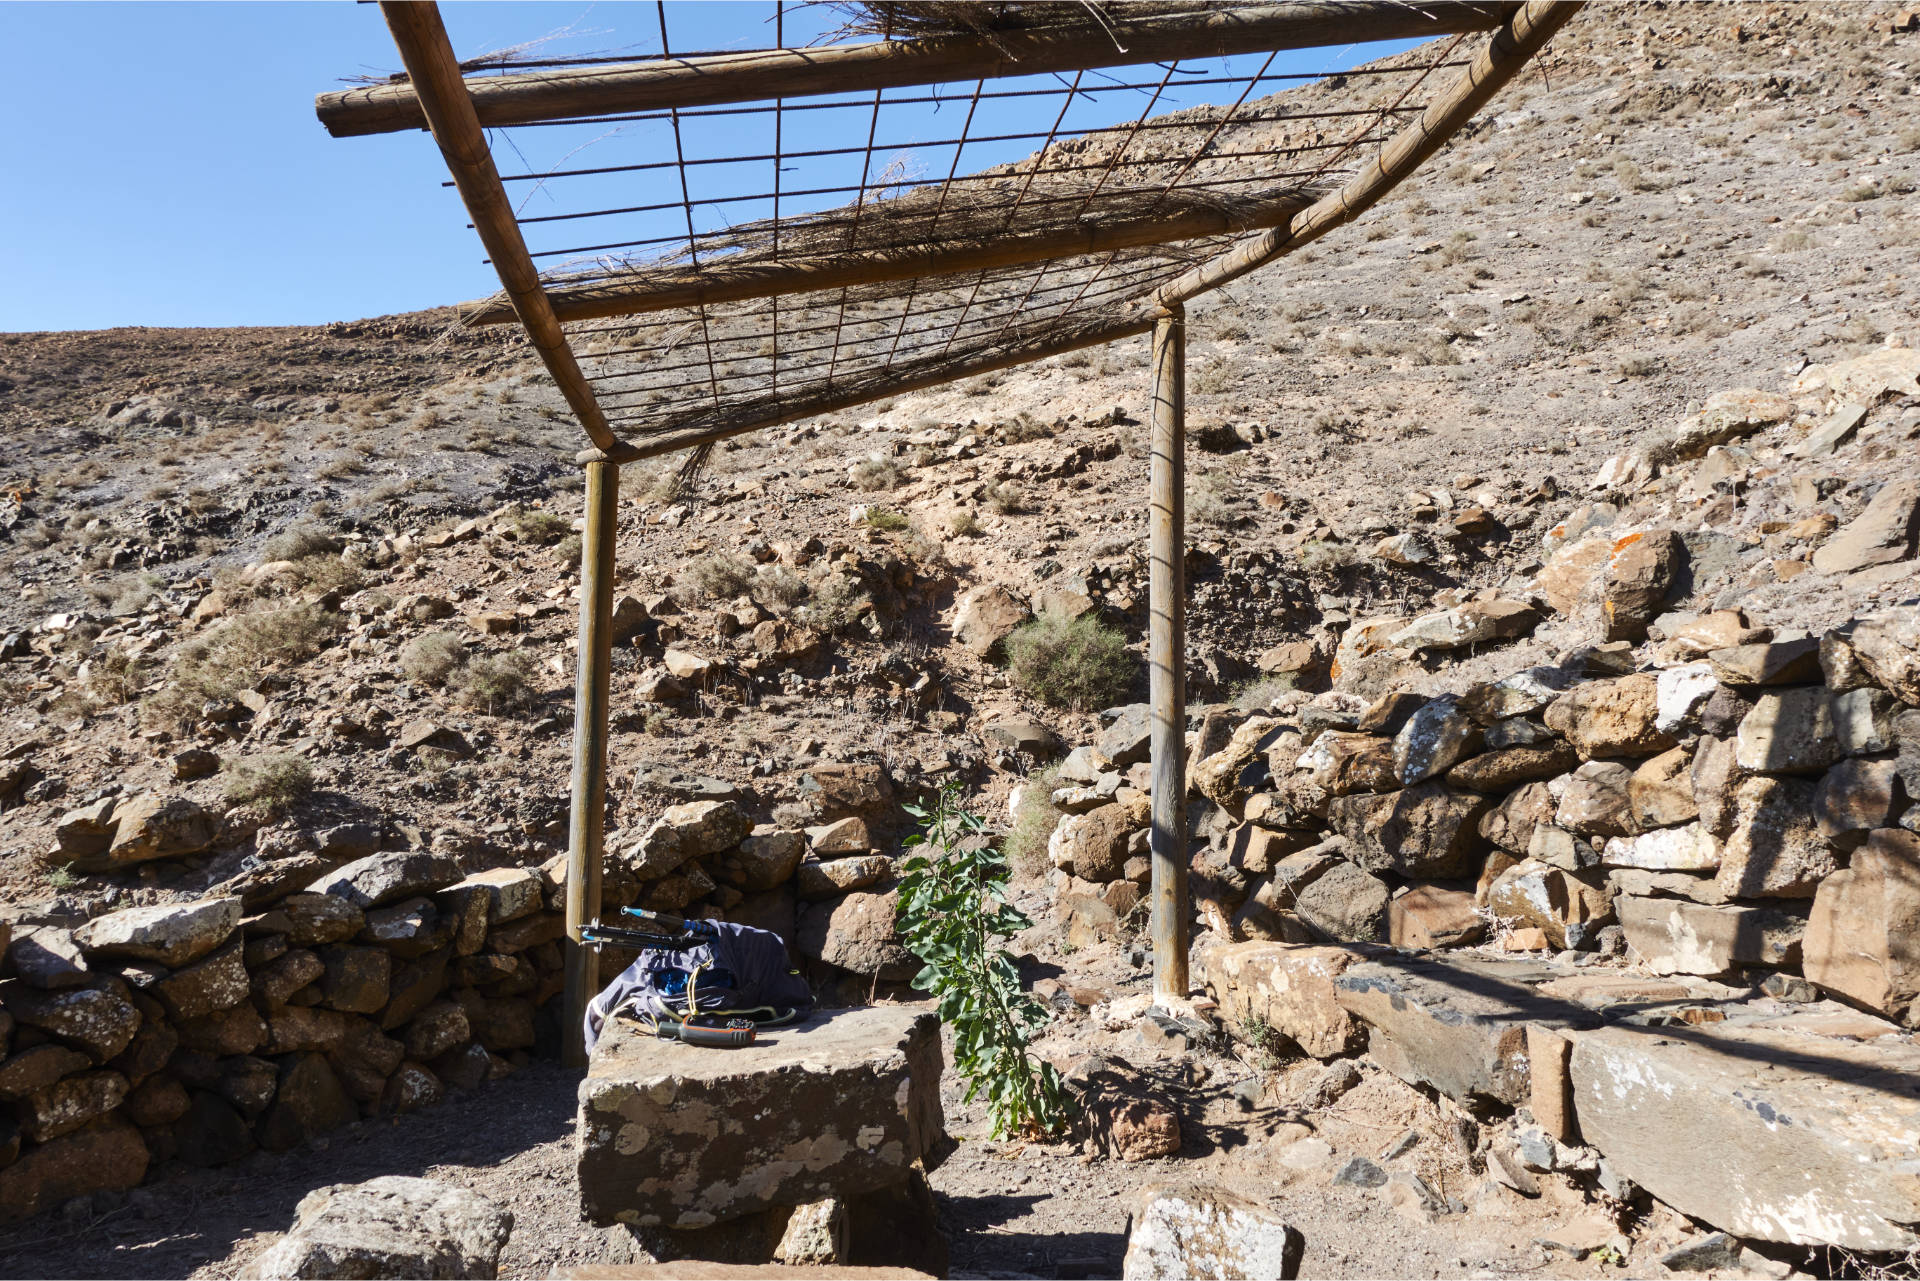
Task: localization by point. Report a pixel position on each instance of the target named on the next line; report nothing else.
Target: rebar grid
(665, 372)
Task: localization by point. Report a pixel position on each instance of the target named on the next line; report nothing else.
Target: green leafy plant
(953, 908)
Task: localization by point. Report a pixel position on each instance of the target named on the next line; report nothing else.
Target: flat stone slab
(681, 1136)
(1458, 1024)
(1769, 1130)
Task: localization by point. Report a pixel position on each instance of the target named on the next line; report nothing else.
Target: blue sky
(164, 167)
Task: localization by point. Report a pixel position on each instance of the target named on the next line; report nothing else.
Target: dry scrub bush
(541, 528)
(721, 577)
(220, 665)
(1004, 499)
(886, 520)
(297, 542)
(964, 524)
(876, 474)
(1078, 663)
(274, 783)
(434, 658)
(499, 683)
(1033, 822)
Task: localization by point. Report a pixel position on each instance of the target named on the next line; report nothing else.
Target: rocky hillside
(1626, 360)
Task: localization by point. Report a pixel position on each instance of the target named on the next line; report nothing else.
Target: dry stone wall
(310, 992)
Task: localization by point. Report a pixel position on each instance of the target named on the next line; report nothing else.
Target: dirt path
(1010, 1210)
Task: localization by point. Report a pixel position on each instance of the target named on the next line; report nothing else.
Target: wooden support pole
(435, 74)
(661, 288)
(1167, 656)
(586, 831)
(561, 93)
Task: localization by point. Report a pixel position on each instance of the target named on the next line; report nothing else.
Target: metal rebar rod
(1166, 656)
(586, 826)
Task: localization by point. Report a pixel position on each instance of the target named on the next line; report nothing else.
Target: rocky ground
(338, 564)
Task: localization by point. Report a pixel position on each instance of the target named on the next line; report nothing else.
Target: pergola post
(1167, 646)
(587, 819)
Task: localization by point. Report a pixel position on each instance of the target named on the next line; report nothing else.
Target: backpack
(740, 971)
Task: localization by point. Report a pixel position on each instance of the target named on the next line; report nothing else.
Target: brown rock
(1881, 534)
(66, 1105)
(1788, 732)
(1290, 989)
(837, 876)
(1855, 797)
(356, 978)
(1888, 647)
(152, 826)
(1661, 790)
(237, 1029)
(1568, 908)
(294, 1028)
(1641, 575)
(1509, 825)
(1430, 916)
(313, 919)
(159, 1100)
(38, 1067)
(1863, 940)
(1503, 770)
(1775, 851)
(282, 978)
(1343, 763)
(1344, 905)
(1093, 846)
(1674, 936)
(987, 615)
(1768, 663)
(857, 933)
(853, 789)
(101, 1157)
(170, 933)
(1716, 775)
(1597, 801)
(205, 986)
(1426, 831)
(1610, 717)
(96, 1019)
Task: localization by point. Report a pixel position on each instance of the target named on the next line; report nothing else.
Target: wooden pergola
(1100, 236)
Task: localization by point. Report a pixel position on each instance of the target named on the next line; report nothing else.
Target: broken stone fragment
(1610, 718)
(1433, 740)
(1888, 647)
(1430, 916)
(1568, 907)
(1193, 1230)
(1775, 850)
(1881, 534)
(986, 616)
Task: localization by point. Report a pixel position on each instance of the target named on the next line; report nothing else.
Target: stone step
(1457, 1024)
(682, 1136)
(1770, 1129)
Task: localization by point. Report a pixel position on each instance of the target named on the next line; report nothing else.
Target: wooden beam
(566, 92)
(1169, 925)
(587, 815)
(931, 371)
(1504, 57)
(422, 41)
(660, 290)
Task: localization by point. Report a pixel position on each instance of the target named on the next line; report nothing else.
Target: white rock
(392, 1226)
(1183, 1231)
(1679, 692)
(1691, 848)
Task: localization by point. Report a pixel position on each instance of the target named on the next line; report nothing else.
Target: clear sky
(161, 163)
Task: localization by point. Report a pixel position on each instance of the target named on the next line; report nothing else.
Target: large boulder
(1423, 831)
(1093, 845)
(96, 1018)
(845, 1103)
(1456, 1024)
(109, 1155)
(1185, 1230)
(690, 830)
(170, 933)
(152, 826)
(1863, 941)
(392, 1226)
(1819, 1133)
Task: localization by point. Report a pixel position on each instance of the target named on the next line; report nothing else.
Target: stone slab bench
(681, 1136)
